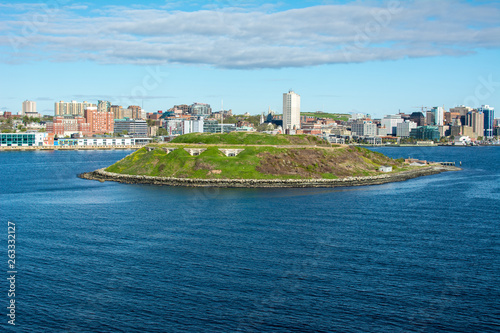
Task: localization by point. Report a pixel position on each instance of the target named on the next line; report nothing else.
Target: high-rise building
(475, 120)
(364, 128)
(404, 129)
(489, 116)
(29, 107)
(418, 118)
(291, 111)
(100, 122)
(135, 112)
(438, 112)
(103, 106)
(390, 123)
(117, 111)
(71, 108)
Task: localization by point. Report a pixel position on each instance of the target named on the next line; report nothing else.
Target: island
(243, 159)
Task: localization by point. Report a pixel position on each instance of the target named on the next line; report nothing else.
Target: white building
(291, 111)
(390, 123)
(364, 128)
(403, 129)
(438, 112)
(28, 107)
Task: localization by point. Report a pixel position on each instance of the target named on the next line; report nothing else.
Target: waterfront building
(489, 115)
(100, 122)
(99, 142)
(131, 126)
(22, 139)
(390, 123)
(403, 129)
(291, 111)
(425, 133)
(71, 108)
(28, 107)
(68, 125)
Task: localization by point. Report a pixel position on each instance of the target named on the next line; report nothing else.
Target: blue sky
(375, 57)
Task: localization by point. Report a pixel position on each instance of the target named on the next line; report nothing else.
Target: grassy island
(259, 156)
(257, 160)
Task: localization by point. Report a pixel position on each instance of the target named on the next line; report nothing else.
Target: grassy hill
(250, 138)
(254, 162)
(335, 116)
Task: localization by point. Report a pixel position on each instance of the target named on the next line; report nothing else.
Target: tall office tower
(291, 111)
(438, 112)
(29, 106)
(489, 115)
(475, 120)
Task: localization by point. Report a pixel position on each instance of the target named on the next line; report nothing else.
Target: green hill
(254, 162)
(335, 116)
(250, 138)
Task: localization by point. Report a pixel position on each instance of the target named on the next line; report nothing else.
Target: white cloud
(256, 38)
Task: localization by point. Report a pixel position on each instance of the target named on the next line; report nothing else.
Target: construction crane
(422, 108)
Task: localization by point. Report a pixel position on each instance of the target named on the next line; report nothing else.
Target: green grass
(335, 116)
(291, 163)
(246, 138)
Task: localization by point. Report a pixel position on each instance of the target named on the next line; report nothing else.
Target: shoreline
(102, 176)
(25, 148)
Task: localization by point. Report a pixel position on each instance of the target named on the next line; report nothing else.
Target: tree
(161, 132)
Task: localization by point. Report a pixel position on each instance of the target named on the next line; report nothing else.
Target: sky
(372, 57)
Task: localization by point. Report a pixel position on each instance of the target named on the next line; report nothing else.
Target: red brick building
(65, 125)
(99, 122)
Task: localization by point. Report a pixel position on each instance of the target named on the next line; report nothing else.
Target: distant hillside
(335, 116)
(250, 138)
(254, 162)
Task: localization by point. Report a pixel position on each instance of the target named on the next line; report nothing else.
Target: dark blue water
(416, 256)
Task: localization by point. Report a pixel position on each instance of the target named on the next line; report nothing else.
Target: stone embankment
(102, 175)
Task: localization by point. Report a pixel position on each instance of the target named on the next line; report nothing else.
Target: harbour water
(416, 256)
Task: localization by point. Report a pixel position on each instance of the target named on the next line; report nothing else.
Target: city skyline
(369, 57)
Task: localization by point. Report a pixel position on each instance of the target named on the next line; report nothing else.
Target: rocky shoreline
(102, 175)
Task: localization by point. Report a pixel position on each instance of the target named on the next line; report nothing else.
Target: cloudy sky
(375, 57)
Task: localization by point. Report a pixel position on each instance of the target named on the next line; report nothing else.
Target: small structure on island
(385, 168)
(195, 151)
(231, 152)
(168, 150)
